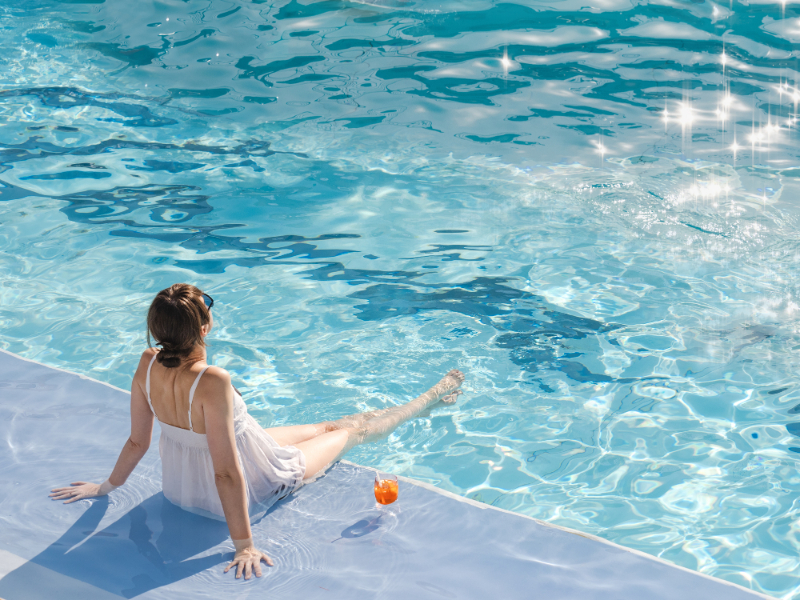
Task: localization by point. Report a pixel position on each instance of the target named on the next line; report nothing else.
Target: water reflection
(583, 199)
(352, 64)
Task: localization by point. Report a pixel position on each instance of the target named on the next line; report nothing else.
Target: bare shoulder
(144, 362)
(217, 374)
(147, 356)
(216, 385)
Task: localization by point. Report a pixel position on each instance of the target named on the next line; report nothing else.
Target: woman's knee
(356, 434)
(326, 426)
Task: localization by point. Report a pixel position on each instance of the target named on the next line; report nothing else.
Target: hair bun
(175, 319)
(168, 357)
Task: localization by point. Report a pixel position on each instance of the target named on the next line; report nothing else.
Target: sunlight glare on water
(590, 210)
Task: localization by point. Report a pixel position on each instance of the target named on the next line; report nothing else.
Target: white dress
(270, 471)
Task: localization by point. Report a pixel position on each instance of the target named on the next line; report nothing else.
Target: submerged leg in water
(323, 443)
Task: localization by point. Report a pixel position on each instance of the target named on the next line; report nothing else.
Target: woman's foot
(457, 375)
(451, 398)
(447, 387)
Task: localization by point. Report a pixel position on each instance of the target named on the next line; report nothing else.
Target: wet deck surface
(328, 540)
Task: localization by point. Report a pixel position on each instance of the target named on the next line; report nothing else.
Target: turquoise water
(590, 210)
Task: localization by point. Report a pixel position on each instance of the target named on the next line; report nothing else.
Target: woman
(216, 459)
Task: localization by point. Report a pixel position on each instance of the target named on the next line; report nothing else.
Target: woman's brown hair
(175, 319)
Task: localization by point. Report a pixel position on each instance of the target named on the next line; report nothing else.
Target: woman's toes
(451, 398)
(457, 375)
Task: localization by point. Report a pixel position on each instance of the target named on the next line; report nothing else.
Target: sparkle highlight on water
(589, 210)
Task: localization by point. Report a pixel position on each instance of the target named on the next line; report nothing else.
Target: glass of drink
(385, 488)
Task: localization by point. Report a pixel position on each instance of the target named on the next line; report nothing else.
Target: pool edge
(589, 536)
(8, 556)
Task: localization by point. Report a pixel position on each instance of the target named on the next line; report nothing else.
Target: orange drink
(385, 488)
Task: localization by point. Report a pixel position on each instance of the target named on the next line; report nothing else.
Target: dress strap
(191, 395)
(147, 384)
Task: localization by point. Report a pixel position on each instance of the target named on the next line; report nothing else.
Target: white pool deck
(328, 540)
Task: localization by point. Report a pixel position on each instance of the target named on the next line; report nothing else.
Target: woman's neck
(197, 355)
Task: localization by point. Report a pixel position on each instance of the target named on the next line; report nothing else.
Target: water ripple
(588, 210)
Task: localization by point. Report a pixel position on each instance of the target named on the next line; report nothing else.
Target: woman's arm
(139, 441)
(132, 452)
(217, 398)
(218, 416)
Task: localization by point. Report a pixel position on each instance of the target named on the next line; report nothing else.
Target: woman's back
(170, 391)
(188, 473)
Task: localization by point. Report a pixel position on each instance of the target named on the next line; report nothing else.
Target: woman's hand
(81, 489)
(247, 559)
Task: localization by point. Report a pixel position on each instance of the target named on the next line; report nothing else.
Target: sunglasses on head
(208, 300)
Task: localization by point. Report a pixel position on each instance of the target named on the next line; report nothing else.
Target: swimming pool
(591, 211)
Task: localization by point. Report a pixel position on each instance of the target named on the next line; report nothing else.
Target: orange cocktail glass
(385, 488)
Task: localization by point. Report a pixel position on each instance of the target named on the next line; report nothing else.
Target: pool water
(590, 210)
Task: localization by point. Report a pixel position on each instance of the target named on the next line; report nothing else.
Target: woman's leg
(325, 448)
(291, 435)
